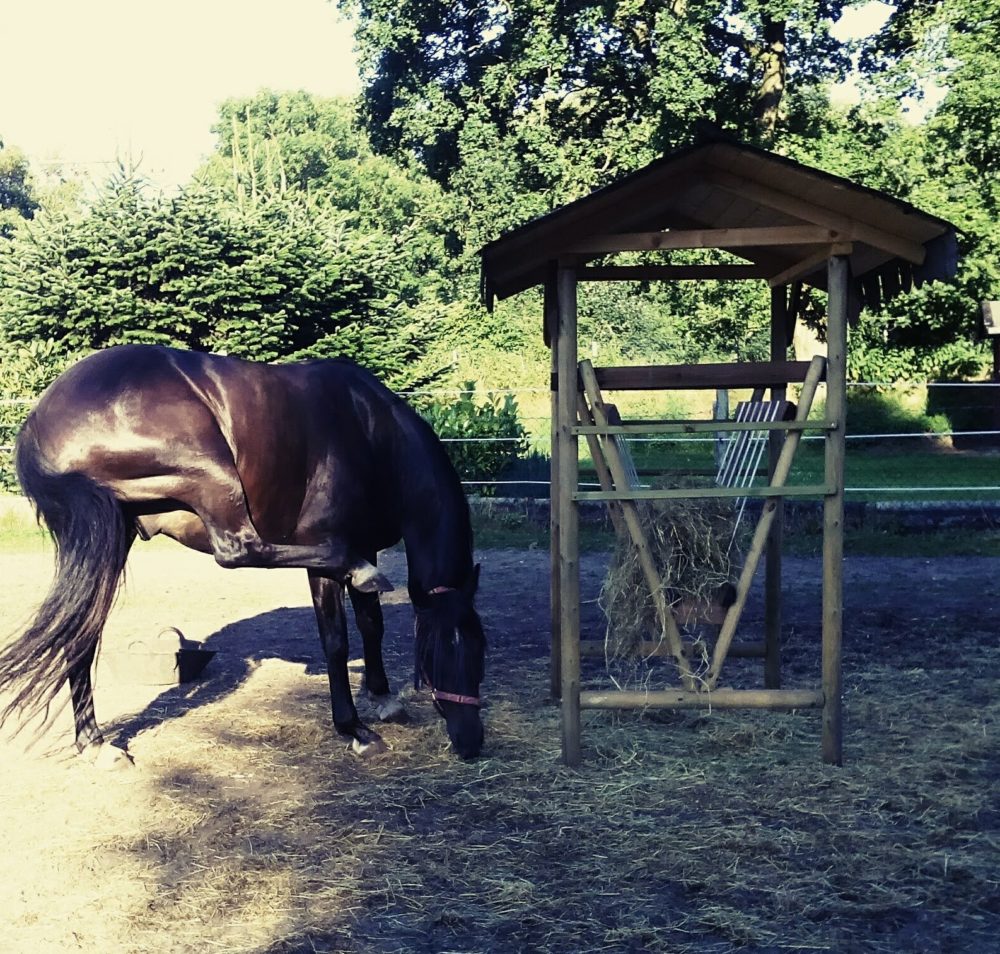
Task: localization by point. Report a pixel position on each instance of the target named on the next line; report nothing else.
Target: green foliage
(491, 434)
(25, 371)
(945, 164)
(872, 411)
(17, 199)
(276, 280)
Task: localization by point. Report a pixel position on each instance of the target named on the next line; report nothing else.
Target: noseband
(438, 695)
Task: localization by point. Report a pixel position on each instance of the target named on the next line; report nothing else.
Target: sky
(91, 81)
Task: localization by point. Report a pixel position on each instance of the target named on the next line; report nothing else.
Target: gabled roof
(729, 185)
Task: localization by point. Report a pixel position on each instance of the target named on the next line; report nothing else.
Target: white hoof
(365, 750)
(365, 578)
(108, 758)
(392, 710)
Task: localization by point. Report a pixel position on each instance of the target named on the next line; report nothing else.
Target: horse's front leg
(328, 601)
(368, 615)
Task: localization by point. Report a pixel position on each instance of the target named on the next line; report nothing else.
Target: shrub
(483, 437)
(25, 371)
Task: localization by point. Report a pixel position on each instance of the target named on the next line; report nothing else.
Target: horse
(314, 465)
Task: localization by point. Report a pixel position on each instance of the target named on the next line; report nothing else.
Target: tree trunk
(773, 60)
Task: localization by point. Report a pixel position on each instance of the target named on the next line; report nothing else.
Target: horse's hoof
(365, 578)
(108, 757)
(391, 710)
(365, 750)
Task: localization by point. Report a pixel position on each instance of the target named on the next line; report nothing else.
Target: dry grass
(696, 547)
(247, 828)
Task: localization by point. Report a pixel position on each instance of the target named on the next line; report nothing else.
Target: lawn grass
(18, 528)
(898, 470)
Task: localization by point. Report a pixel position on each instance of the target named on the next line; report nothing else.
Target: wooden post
(838, 273)
(567, 515)
(720, 412)
(772, 565)
(551, 319)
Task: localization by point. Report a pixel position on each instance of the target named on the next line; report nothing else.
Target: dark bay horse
(314, 465)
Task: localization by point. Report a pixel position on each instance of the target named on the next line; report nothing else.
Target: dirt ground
(246, 826)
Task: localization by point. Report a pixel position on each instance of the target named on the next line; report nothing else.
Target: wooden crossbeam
(697, 427)
(707, 238)
(703, 493)
(717, 699)
(701, 377)
(665, 273)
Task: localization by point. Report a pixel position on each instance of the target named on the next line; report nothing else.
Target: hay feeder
(790, 226)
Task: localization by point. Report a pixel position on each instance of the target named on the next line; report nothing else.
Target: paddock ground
(245, 825)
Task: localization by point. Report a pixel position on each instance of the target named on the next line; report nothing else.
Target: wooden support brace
(781, 472)
(630, 515)
(604, 477)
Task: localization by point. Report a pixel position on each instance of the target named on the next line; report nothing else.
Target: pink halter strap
(439, 695)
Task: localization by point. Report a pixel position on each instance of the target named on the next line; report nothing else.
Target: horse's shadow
(241, 646)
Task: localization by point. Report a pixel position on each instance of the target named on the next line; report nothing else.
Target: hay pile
(696, 547)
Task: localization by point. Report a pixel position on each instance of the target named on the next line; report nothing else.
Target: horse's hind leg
(368, 615)
(89, 739)
(218, 498)
(82, 693)
(328, 601)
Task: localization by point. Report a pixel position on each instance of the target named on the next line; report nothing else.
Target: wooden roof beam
(809, 264)
(800, 208)
(663, 273)
(707, 238)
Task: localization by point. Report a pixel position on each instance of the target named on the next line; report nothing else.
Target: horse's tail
(92, 541)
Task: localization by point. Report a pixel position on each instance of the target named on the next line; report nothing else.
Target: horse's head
(450, 652)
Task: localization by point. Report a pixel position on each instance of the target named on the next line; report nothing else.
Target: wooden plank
(781, 472)
(569, 543)
(630, 515)
(810, 263)
(680, 377)
(856, 229)
(665, 273)
(695, 427)
(773, 235)
(704, 493)
(833, 509)
(718, 699)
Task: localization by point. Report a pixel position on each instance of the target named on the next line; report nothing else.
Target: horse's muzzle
(466, 733)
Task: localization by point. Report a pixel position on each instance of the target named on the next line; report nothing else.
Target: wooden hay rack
(776, 221)
(606, 435)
